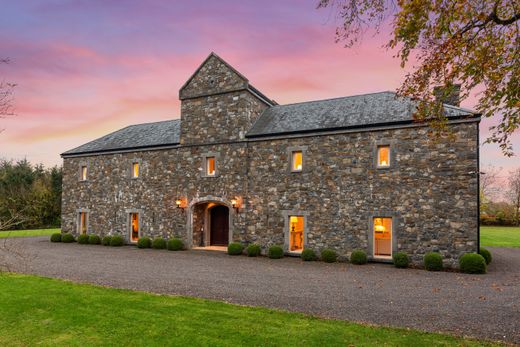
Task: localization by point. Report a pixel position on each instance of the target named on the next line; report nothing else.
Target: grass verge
(497, 236)
(28, 233)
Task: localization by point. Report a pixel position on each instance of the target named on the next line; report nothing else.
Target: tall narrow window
(296, 233)
(84, 173)
(382, 237)
(297, 161)
(135, 170)
(83, 222)
(134, 227)
(383, 156)
(210, 166)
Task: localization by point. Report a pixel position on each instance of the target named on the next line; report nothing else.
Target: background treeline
(30, 195)
(500, 197)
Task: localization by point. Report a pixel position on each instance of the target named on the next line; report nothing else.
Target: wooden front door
(219, 226)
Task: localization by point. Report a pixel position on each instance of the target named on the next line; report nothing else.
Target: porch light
(180, 203)
(235, 204)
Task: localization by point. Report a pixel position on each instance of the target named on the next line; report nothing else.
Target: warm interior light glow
(178, 202)
(234, 203)
(134, 234)
(383, 156)
(83, 173)
(297, 161)
(83, 222)
(210, 166)
(135, 170)
(383, 237)
(296, 233)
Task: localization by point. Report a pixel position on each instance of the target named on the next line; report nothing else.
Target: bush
(487, 255)
(83, 239)
(105, 241)
(358, 257)
(235, 248)
(94, 239)
(275, 252)
(117, 241)
(253, 250)
(472, 263)
(433, 261)
(144, 242)
(328, 256)
(175, 245)
(309, 255)
(401, 260)
(159, 243)
(56, 237)
(67, 238)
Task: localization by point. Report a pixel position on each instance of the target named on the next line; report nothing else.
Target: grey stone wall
(431, 190)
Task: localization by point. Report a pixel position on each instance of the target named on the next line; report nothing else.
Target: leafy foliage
(275, 252)
(253, 250)
(472, 263)
(358, 257)
(175, 245)
(144, 242)
(117, 241)
(401, 260)
(472, 43)
(83, 239)
(235, 248)
(486, 254)
(433, 261)
(159, 243)
(56, 237)
(308, 254)
(94, 239)
(105, 241)
(328, 256)
(67, 238)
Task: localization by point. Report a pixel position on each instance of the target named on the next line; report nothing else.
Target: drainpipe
(478, 187)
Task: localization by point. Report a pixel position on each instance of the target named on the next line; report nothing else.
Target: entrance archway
(219, 225)
(210, 222)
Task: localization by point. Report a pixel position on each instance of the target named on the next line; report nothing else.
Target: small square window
(383, 156)
(296, 233)
(135, 170)
(211, 166)
(297, 161)
(134, 227)
(84, 173)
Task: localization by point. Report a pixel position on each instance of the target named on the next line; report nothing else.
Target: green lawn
(27, 233)
(49, 312)
(500, 236)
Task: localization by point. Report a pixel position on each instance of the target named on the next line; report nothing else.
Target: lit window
(382, 237)
(383, 156)
(297, 161)
(83, 173)
(134, 227)
(210, 166)
(83, 222)
(295, 233)
(135, 170)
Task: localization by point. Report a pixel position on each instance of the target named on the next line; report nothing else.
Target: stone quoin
(348, 173)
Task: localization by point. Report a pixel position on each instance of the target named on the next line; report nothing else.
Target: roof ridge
(336, 98)
(160, 121)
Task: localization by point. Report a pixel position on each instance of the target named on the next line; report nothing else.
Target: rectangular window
(382, 237)
(296, 233)
(84, 173)
(383, 156)
(135, 170)
(297, 161)
(83, 222)
(210, 166)
(134, 227)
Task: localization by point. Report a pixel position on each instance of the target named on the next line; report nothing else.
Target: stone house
(348, 173)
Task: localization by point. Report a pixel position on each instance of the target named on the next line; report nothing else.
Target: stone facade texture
(430, 190)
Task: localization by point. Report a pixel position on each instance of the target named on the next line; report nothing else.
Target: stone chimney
(448, 95)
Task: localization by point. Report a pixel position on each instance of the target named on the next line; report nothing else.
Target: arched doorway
(219, 225)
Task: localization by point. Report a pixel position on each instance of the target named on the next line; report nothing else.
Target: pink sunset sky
(86, 68)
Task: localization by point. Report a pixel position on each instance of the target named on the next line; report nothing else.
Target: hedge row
(118, 240)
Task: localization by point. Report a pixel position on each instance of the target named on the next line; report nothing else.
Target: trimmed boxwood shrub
(56, 237)
(67, 238)
(309, 255)
(94, 239)
(433, 261)
(253, 250)
(83, 239)
(487, 255)
(275, 252)
(235, 248)
(159, 243)
(105, 241)
(175, 245)
(328, 255)
(401, 260)
(472, 263)
(117, 241)
(358, 257)
(144, 242)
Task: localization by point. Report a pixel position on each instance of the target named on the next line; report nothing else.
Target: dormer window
(83, 173)
(297, 161)
(135, 170)
(211, 166)
(383, 156)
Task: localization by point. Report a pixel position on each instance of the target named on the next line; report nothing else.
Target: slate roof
(367, 110)
(134, 136)
(356, 111)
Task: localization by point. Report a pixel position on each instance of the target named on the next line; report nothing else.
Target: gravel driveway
(485, 306)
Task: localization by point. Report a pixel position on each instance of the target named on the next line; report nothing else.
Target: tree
(472, 43)
(514, 193)
(488, 186)
(6, 95)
